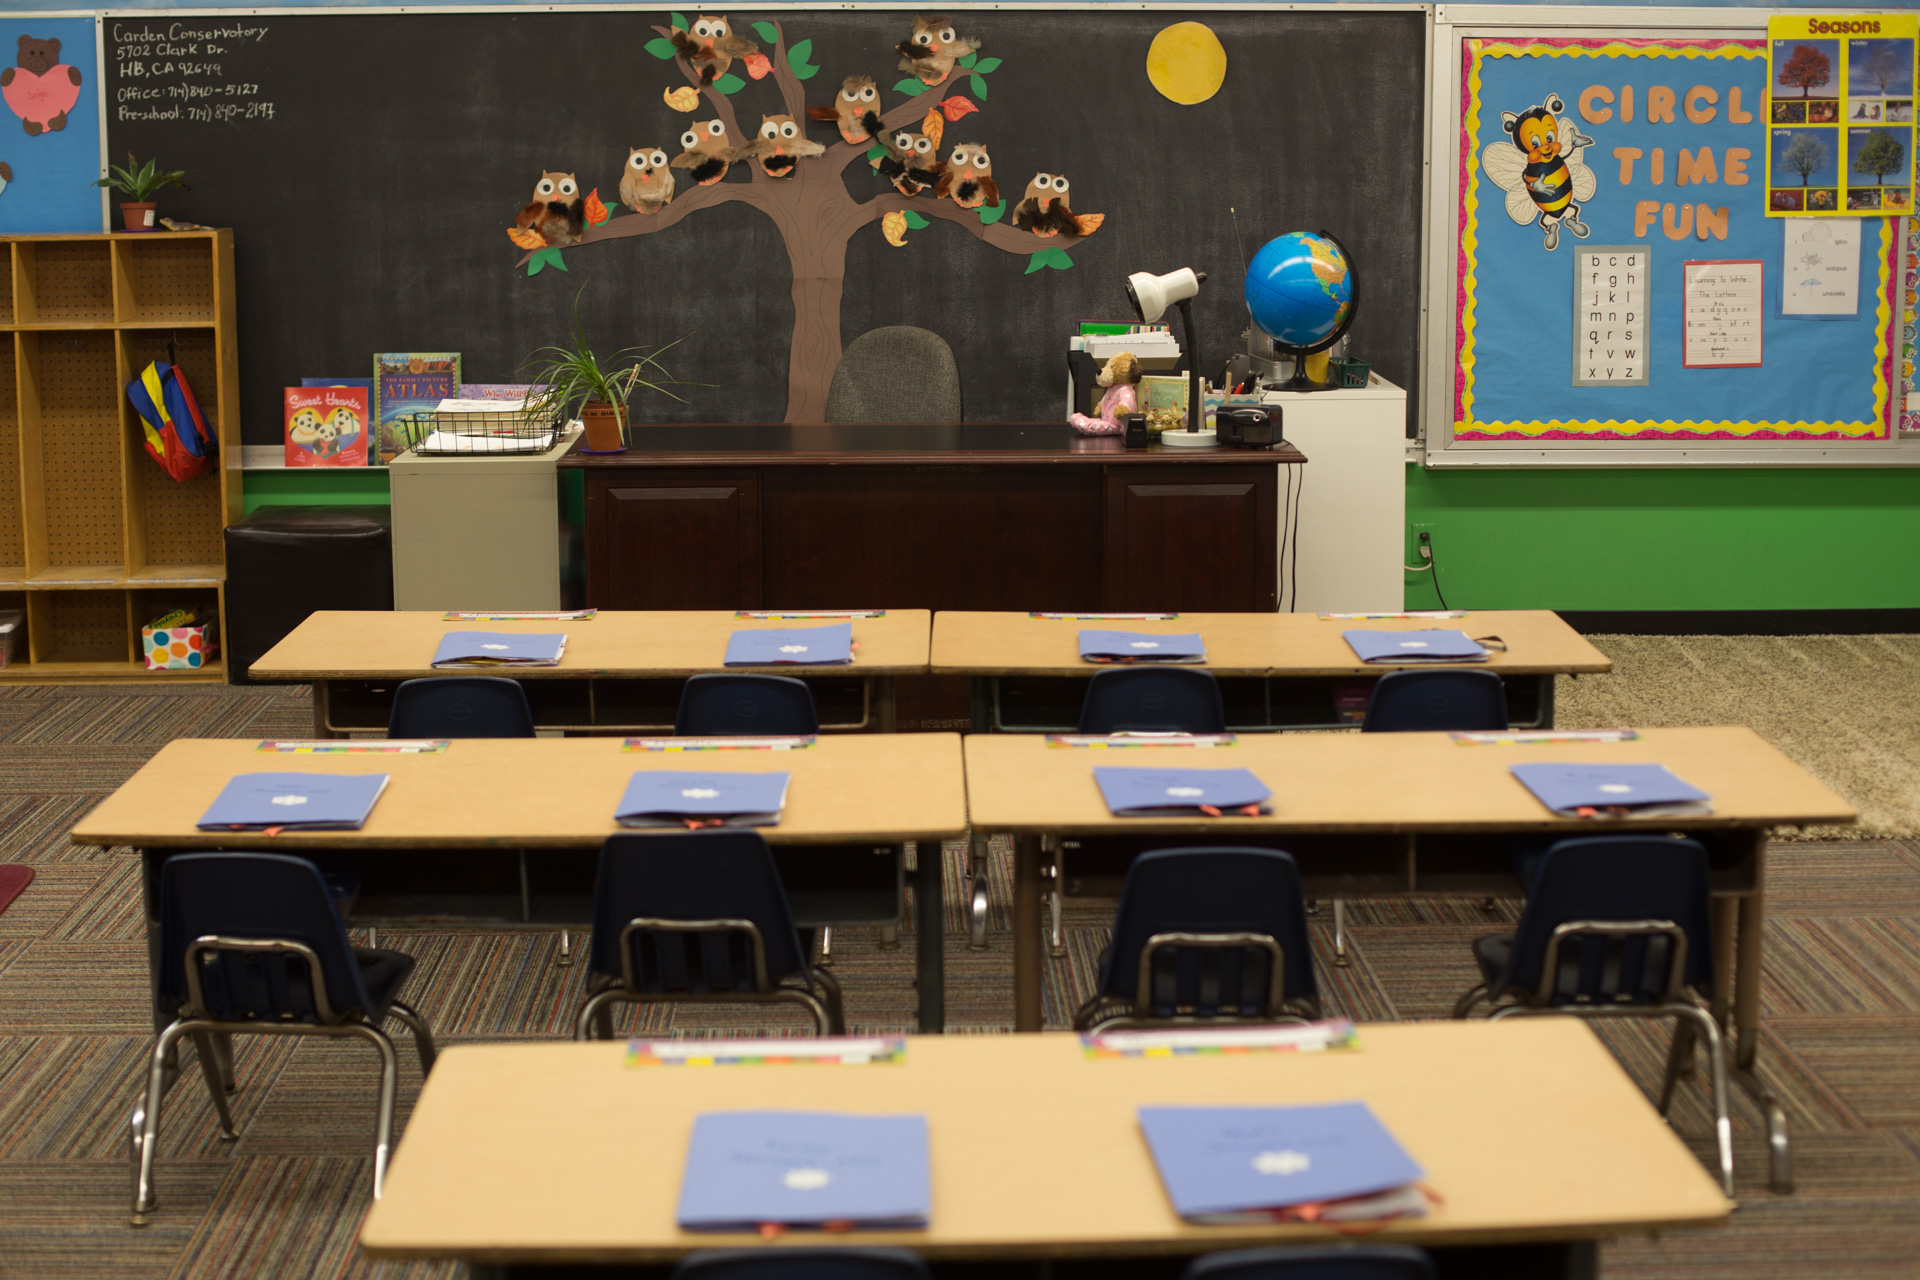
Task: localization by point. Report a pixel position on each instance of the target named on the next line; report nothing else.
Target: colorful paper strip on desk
(1140, 739)
(749, 1169)
(825, 1051)
(482, 649)
(1524, 737)
(798, 742)
(676, 798)
(1181, 793)
(294, 802)
(1391, 647)
(1105, 617)
(810, 613)
(1435, 614)
(1311, 1037)
(348, 747)
(549, 615)
(1141, 646)
(784, 646)
(1612, 790)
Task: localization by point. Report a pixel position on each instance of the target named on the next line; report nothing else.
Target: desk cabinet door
(674, 540)
(1200, 539)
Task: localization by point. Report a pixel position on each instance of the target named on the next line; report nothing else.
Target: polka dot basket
(180, 641)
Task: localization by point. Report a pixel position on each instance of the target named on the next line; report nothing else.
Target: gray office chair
(895, 374)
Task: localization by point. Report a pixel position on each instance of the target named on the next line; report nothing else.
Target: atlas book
(1181, 793)
(406, 383)
(295, 801)
(780, 646)
(1140, 646)
(761, 1170)
(326, 426)
(686, 798)
(1393, 648)
(1613, 790)
(462, 650)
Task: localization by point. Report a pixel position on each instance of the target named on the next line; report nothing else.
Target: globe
(1300, 290)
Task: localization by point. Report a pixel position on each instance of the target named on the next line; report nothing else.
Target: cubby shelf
(96, 539)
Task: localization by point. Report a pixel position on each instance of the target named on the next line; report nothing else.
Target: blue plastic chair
(723, 704)
(1616, 927)
(1199, 936)
(1321, 1262)
(1153, 700)
(1447, 700)
(250, 944)
(460, 707)
(699, 916)
(825, 1263)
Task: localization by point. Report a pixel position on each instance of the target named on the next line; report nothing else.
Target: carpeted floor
(1842, 1004)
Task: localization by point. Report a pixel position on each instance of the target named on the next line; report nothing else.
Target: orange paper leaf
(596, 211)
(894, 228)
(933, 126)
(957, 107)
(532, 239)
(1089, 222)
(685, 98)
(757, 65)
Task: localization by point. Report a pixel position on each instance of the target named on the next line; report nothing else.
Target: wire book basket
(490, 431)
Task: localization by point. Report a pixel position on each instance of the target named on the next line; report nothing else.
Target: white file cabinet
(1353, 501)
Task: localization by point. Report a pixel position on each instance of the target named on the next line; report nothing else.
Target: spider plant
(574, 377)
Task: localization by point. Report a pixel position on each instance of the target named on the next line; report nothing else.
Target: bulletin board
(1616, 281)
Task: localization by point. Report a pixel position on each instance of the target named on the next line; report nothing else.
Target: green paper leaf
(876, 151)
(680, 21)
(804, 73)
(1037, 262)
(547, 257)
(985, 65)
(992, 213)
(979, 87)
(729, 83)
(661, 48)
(911, 87)
(800, 53)
(967, 59)
(768, 32)
(917, 221)
(1058, 259)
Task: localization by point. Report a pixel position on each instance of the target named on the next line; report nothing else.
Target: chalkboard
(371, 166)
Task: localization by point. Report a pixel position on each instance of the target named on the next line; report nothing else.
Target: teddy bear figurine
(1121, 377)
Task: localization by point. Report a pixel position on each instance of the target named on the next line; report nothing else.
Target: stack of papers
(748, 1169)
(1612, 790)
(1181, 793)
(1140, 646)
(463, 650)
(1414, 646)
(676, 798)
(1329, 1163)
(1158, 351)
(773, 646)
(485, 426)
(295, 801)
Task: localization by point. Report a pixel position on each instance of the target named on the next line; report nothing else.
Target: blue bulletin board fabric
(1515, 305)
(53, 171)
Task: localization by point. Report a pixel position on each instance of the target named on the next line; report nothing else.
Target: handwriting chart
(195, 71)
(1610, 321)
(1724, 307)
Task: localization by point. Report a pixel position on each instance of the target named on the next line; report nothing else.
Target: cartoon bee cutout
(1538, 166)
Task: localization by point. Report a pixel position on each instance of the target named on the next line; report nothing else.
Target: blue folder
(1140, 646)
(499, 648)
(1395, 647)
(1606, 790)
(774, 646)
(297, 801)
(1218, 1163)
(1154, 793)
(679, 798)
(804, 1168)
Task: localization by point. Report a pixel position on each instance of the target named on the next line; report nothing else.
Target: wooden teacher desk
(1395, 815)
(1534, 1140)
(442, 839)
(1278, 670)
(622, 671)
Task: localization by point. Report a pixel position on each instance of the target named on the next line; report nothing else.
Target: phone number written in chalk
(209, 113)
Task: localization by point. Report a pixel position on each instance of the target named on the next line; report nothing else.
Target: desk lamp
(1150, 295)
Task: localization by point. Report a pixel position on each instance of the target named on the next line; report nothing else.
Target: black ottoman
(283, 563)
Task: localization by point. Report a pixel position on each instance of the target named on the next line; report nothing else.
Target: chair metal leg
(890, 936)
(977, 899)
(373, 936)
(422, 1037)
(214, 1072)
(1679, 1060)
(1340, 956)
(1717, 1063)
(566, 950)
(1779, 1144)
(389, 1087)
(823, 1022)
(1052, 870)
(826, 946)
(146, 1121)
(596, 1015)
(835, 1006)
(1474, 994)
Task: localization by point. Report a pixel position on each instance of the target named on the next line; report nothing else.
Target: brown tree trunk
(819, 269)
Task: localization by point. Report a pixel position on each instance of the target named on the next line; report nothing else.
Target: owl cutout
(780, 146)
(706, 151)
(855, 110)
(557, 214)
(646, 184)
(968, 177)
(910, 163)
(930, 51)
(711, 47)
(1043, 209)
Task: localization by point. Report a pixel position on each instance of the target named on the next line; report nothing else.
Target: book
(406, 383)
(773, 646)
(1140, 646)
(366, 384)
(1222, 1165)
(296, 801)
(326, 426)
(686, 798)
(1612, 790)
(516, 392)
(747, 1169)
(1392, 647)
(1186, 793)
(464, 649)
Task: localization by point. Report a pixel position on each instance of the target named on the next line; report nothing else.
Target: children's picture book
(512, 392)
(341, 382)
(406, 383)
(326, 426)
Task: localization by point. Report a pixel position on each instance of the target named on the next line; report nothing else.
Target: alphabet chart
(1610, 315)
(1725, 302)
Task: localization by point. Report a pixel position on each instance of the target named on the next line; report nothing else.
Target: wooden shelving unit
(95, 539)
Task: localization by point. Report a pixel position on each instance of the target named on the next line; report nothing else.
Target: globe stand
(1300, 381)
(1197, 435)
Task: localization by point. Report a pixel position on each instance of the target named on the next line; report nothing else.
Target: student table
(621, 671)
(1407, 815)
(447, 817)
(1537, 1144)
(1278, 670)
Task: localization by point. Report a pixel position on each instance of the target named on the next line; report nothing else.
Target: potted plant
(138, 183)
(573, 378)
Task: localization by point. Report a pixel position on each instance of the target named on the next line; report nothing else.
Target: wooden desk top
(545, 792)
(1285, 644)
(897, 444)
(1526, 1127)
(338, 645)
(1017, 783)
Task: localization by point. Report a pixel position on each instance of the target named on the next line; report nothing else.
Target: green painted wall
(1668, 538)
(315, 486)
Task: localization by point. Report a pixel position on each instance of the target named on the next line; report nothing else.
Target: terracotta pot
(138, 217)
(603, 422)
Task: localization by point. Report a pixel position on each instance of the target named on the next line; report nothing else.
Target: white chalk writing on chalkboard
(1610, 315)
(193, 71)
(1725, 303)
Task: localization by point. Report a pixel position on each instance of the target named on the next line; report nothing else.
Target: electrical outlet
(1423, 541)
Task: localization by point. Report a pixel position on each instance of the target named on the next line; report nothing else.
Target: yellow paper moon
(1186, 63)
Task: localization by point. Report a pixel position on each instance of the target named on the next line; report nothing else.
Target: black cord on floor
(1299, 495)
(1434, 564)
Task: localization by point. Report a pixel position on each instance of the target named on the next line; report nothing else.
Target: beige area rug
(1845, 708)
